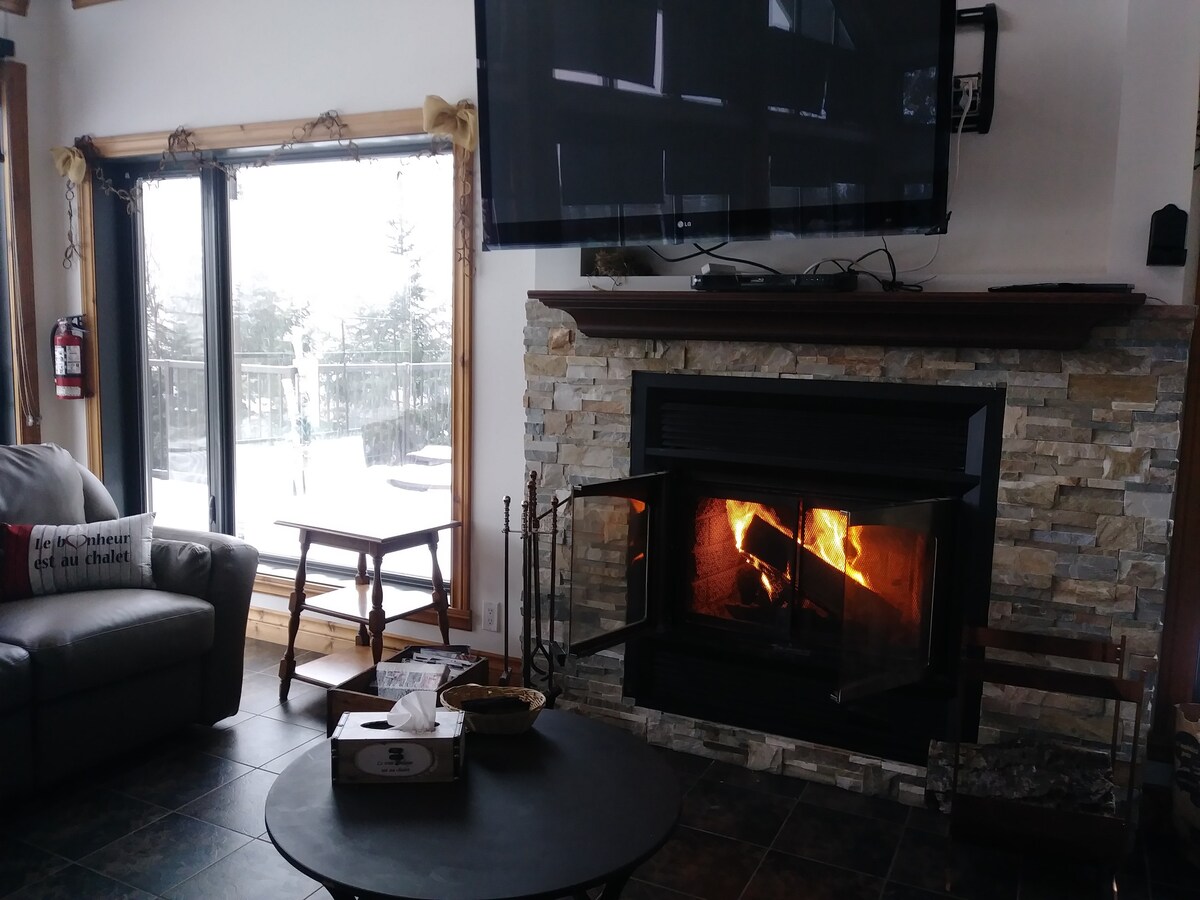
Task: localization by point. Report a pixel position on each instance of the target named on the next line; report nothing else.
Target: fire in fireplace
(794, 556)
(851, 587)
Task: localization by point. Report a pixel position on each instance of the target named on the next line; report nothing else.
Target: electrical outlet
(491, 616)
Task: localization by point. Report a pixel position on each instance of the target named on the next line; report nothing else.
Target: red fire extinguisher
(67, 343)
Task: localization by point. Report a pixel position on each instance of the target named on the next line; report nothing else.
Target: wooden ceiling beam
(21, 7)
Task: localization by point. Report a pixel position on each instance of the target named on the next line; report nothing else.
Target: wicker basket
(495, 723)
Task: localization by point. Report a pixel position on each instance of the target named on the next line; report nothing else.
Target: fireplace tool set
(539, 650)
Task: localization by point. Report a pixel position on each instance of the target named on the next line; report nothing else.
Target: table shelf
(353, 602)
(336, 668)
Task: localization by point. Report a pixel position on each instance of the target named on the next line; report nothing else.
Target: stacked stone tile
(1087, 480)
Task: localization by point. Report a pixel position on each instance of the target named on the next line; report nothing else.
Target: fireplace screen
(846, 587)
(610, 556)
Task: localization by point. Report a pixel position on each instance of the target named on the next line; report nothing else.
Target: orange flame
(827, 535)
(839, 545)
(830, 537)
(741, 514)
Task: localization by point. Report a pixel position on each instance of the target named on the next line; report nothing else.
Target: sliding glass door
(341, 346)
(296, 356)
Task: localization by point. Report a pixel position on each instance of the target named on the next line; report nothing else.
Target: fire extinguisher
(66, 341)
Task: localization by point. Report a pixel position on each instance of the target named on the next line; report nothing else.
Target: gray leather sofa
(86, 676)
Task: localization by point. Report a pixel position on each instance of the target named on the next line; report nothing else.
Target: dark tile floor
(185, 821)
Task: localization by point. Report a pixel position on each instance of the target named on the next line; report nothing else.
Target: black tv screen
(629, 122)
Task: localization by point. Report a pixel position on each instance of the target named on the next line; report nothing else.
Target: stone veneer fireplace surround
(1087, 479)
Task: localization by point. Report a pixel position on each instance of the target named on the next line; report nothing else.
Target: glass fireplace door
(845, 589)
(888, 563)
(616, 537)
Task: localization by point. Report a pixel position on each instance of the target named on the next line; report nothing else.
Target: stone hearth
(1087, 481)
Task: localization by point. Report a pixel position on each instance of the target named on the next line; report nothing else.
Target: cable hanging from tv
(701, 251)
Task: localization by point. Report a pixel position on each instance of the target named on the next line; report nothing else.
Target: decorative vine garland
(72, 250)
(334, 127)
(181, 141)
(458, 122)
(181, 150)
(85, 145)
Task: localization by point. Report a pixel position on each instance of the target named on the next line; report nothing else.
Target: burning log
(828, 588)
(771, 554)
(770, 546)
(821, 584)
(751, 588)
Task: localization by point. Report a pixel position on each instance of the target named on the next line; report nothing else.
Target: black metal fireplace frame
(885, 439)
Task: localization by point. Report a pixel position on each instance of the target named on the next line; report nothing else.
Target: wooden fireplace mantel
(1046, 321)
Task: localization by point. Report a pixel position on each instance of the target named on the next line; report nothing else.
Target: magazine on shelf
(395, 679)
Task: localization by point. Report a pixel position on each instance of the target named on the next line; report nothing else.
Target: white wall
(1095, 117)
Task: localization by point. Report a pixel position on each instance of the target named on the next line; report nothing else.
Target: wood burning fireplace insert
(794, 556)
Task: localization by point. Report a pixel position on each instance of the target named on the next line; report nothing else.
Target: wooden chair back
(1041, 675)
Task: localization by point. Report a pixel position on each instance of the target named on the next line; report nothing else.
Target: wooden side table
(362, 602)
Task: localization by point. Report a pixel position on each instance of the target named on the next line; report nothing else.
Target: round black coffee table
(570, 805)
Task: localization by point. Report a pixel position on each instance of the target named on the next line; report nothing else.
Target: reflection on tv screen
(660, 121)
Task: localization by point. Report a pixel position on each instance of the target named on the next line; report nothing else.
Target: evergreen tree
(175, 394)
(406, 325)
(263, 324)
(174, 328)
(406, 330)
(263, 327)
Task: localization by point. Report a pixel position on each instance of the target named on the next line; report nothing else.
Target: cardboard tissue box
(363, 752)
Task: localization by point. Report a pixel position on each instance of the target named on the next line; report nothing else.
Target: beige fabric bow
(457, 121)
(70, 163)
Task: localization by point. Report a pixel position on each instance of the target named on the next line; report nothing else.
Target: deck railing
(396, 406)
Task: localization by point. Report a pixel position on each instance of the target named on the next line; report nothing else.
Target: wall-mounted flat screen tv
(629, 122)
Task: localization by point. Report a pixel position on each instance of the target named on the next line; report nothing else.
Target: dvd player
(813, 283)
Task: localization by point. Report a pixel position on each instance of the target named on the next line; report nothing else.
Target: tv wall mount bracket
(979, 114)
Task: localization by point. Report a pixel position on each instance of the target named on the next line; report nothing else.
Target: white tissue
(415, 712)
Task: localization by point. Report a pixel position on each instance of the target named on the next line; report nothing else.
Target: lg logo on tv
(683, 224)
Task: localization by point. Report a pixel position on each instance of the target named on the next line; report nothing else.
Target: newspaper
(394, 680)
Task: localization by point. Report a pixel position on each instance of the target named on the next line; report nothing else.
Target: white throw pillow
(52, 559)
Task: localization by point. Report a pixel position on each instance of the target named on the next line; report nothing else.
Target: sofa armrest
(233, 565)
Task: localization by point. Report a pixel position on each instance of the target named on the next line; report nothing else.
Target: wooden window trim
(360, 126)
(21, 7)
(396, 123)
(18, 223)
